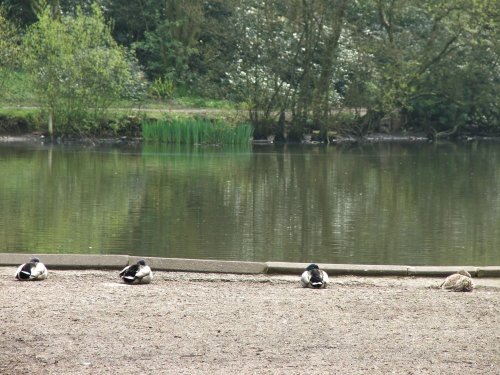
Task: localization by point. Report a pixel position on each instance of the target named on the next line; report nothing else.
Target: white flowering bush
(284, 57)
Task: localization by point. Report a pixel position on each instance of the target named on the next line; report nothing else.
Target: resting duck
(33, 270)
(313, 277)
(137, 273)
(458, 282)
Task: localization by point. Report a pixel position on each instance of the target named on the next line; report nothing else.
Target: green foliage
(295, 64)
(9, 39)
(16, 88)
(172, 39)
(162, 88)
(288, 60)
(433, 64)
(196, 131)
(76, 67)
(9, 50)
(190, 42)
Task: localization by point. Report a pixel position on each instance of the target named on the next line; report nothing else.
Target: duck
(313, 277)
(458, 282)
(33, 270)
(138, 273)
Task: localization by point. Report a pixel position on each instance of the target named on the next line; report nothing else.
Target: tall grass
(196, 131)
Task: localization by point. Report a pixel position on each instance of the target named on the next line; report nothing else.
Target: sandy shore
(87, 322)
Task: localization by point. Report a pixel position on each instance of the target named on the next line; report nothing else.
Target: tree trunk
(323, 94)
(51, 122)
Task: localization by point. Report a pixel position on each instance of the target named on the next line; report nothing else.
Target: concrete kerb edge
(202, 265)
(97, 261)
(339, 269)
(491, 271)
(439, 271)
(384, 270)
(68, 261)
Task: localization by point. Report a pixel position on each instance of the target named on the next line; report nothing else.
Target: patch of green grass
(179, 103)
(199, 102)
(16, 88)
(196, 131)
(19, 112)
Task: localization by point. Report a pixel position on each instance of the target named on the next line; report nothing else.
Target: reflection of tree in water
(377, 203)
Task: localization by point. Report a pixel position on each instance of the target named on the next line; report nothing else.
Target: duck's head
(312, 266)
(464, 273)
(142, 262)
(35, 260)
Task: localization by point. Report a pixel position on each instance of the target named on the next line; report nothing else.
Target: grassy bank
(21, 113)
(20, 121)
(124, 118)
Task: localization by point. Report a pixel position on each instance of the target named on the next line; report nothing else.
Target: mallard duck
(33, 270)
(137, 273)
(313, 277)
(458, 282)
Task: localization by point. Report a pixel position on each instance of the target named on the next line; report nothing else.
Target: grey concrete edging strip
(430, 271)
(68, 261)
(339, 269)
(202, 265)
(488, 271)
(97, 261)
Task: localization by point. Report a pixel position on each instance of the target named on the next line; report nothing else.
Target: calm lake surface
(386, 203)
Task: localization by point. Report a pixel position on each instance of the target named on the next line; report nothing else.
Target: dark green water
(413, 204)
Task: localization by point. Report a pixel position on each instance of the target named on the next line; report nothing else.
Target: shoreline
(97, 261)
(38, 138)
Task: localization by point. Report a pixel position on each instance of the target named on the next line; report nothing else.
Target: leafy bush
(162, 88)
(76, 67)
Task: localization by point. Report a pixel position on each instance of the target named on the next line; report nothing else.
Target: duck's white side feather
(146, 279)
(39, 272)
(145, 275)
(305, 279)
(143, 271)
(325, 278)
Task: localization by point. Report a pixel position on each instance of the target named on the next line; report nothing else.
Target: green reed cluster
(196, 131)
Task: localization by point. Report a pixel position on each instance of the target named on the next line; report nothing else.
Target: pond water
(385, 203)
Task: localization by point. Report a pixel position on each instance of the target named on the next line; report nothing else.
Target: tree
(9, 47)
(18, 10)
(184, 44)
(423, 64)
(170, 37)
(76, 67)
(422, 59)
(288, 58)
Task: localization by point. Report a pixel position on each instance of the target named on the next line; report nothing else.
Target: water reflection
(378, 203)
